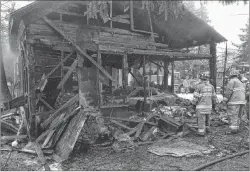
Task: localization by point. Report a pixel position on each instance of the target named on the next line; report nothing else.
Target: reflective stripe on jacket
(204, 97)
(235, 92)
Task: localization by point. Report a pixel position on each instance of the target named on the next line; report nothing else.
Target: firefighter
(204, 98)
(235, 99)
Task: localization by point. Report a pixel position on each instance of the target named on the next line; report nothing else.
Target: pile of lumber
(146, 127)
(62, 128)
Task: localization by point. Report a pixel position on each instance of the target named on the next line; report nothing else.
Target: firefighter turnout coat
(204, 97)
(235, 92)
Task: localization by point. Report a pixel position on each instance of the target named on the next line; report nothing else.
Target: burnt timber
(59, 47)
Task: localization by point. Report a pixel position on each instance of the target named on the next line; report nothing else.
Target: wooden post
(166, 64)
(62, 57)
(80, 74)
(99, 84)
(110, 82)
(224, 71)
(172, 77)
(158, 78)
(144, 83)
(212, 64)
(125, 71)
(111, 13)
(150, 68)
(31, 86)
(131, 9)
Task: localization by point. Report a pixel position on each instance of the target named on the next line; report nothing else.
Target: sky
(225, 19)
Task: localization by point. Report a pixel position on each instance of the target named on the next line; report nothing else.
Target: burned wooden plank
(66, 77)
(80, 74)
(45, 103)
(169, 124)
(8, 113)
(68, 139)
(4, 138)
(55, 68)
(66, 105)
(16, 103)
(57, 123)
(120, 20)
(125, 71)
(82, 52)
(173, 55)
(150, 131)
(98, 81)
(41, 156)
(121, 125)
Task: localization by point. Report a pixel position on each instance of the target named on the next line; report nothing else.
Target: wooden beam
(45, 103)
(98, 82)
(58, 111)
(212, 64)
(41, 156)
(55, 68)
(3, 138)
(122, 16)
(80, 74)
(82, 52)
(57, 123)
(172, 55)
(120, 124)
(111, 13)
(172, 78)
(68, 74)
(144, 83)
(224, 72)
(110, 82)
(125, 71)
(69, 13)
(158, 77)
(125, 21)
(166, 64)
(156, 63)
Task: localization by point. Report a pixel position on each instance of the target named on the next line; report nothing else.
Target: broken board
(68, 139)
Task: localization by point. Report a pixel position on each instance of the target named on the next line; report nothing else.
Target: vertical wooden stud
(125, 71)
(166, 64)
(99, 84)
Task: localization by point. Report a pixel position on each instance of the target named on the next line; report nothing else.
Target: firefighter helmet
(204, 76)
(234, 72)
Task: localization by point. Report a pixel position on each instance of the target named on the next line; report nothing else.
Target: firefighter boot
(201, 132)
(234, 129)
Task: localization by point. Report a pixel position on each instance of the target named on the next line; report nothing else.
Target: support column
(110, 82)
(99, 84)
(31, 89)
(158, 78)
(212, 64)
(62, 70)
(144, 83)
(172, 77)
(125, 71)
(166, 64)
(80, 75)
(150, 68)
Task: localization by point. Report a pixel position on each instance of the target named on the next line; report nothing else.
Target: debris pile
(141, 128)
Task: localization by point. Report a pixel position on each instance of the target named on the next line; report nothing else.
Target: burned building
(61, 51)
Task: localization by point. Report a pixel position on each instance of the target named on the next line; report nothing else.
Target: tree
(243, 48)
(5, 92)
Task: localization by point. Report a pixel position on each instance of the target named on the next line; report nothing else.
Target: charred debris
(73, 74)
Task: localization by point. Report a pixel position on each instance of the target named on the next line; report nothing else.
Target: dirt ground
(139, 159)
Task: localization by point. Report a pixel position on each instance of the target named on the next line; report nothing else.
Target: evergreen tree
(243, 48)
